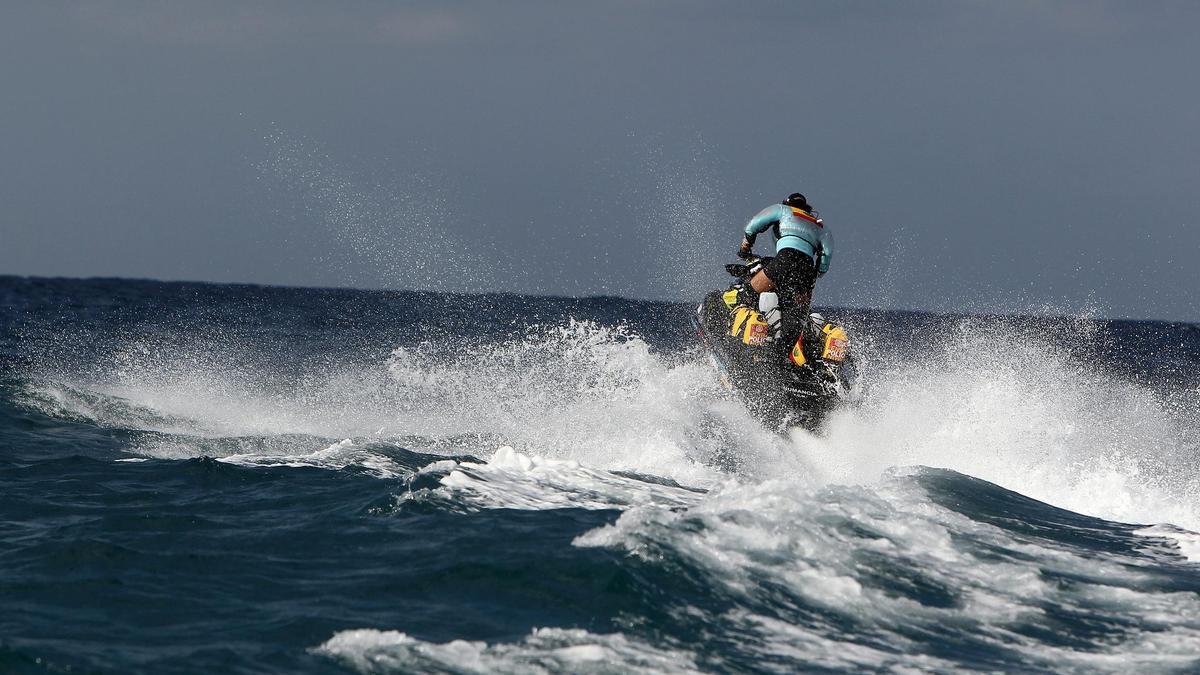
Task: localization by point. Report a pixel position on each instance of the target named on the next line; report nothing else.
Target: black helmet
(798, 201)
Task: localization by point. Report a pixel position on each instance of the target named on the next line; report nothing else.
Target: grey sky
(969, 156)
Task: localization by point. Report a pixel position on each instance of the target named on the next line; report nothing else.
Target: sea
(203, 478)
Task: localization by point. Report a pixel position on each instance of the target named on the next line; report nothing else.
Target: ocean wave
(1017, 405)
(545, 650)
(457, 462)
(870, 577)
(575, 391)
(1006, 402)
(340, 455)
(511, 480)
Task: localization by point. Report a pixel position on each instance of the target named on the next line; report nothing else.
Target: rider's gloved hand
(744, 251)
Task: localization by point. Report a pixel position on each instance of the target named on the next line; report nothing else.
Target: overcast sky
(968, 156)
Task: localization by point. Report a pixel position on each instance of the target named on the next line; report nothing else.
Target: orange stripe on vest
(805, 215)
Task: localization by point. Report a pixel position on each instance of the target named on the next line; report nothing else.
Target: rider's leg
(768, 306)
(792, 274)
(761, 283)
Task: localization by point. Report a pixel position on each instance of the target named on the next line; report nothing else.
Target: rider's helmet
(798, 201)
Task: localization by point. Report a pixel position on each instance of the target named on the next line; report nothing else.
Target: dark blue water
(198, 477)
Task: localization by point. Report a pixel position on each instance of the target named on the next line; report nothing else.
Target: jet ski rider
(803, 249)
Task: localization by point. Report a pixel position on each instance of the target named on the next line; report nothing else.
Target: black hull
(779, 394)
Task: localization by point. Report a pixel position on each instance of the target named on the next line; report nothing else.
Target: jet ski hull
(778, 392)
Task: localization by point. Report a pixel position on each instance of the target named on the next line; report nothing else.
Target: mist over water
(1022, 408)
(374, 228)
(1007, 403)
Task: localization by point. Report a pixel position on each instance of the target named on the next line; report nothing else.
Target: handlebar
(743, 269)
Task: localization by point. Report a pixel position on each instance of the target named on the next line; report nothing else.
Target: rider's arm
(766, 218)
(826, 251)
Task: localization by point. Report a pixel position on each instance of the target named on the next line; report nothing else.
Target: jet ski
(783, 385)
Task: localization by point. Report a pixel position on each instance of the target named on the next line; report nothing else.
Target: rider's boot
(768, 306)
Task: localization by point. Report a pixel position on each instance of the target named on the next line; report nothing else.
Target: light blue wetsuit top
(794, 228)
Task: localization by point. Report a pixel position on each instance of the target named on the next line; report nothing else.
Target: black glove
(744, 251)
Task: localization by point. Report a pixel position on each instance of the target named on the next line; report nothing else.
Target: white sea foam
(877, 558)
(517, 481)
(1006, 404)
(1016, 408)
(545, 650)
(340, 455)
(575, 391)
(578, 391)
(1186, 542)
